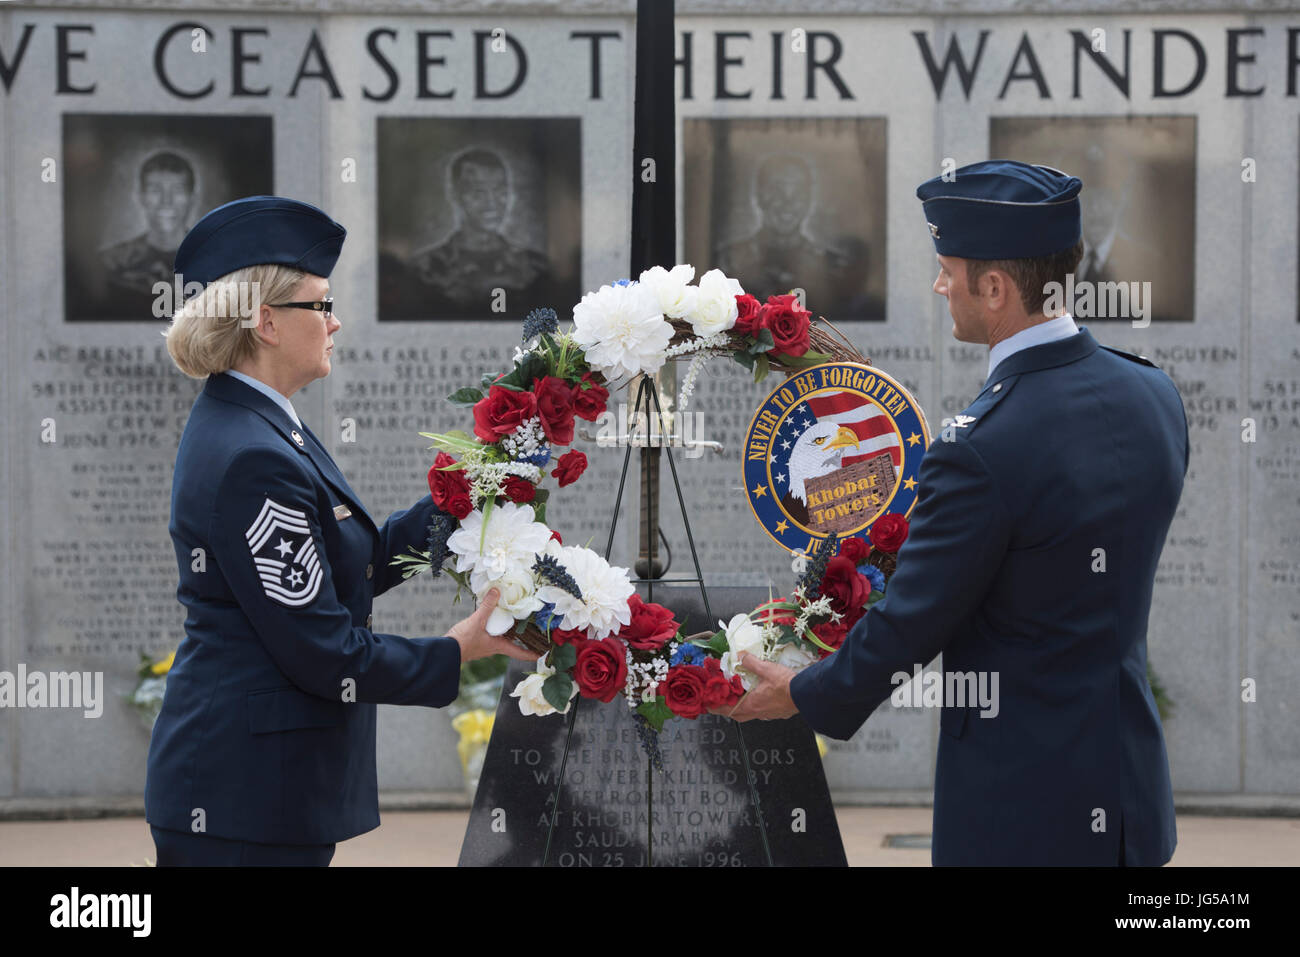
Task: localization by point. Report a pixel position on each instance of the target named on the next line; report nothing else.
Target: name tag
(341, 512)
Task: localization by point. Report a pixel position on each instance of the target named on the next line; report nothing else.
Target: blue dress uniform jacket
(267, 729)
(1032, 554)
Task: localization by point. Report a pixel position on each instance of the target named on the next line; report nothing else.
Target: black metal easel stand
(647, 398)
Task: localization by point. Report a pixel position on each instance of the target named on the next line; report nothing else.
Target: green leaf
(874, 597)
(563, 657)
(655, 712)
(520, 625)
(487, 511)
(763, 342)
(812, 636)
(465, 398)
(744, 358)
(556, 690)
(530, 367)
(716, 643)
(805, 361)
(486, 381)
(761, 367)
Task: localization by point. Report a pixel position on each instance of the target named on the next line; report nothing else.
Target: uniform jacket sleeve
(403, 530)
(959, 532)
(268, 504)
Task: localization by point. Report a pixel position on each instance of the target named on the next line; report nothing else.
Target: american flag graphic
(874, 429)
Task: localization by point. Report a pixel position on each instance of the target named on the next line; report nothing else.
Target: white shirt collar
(1062, 327)
(281, 400)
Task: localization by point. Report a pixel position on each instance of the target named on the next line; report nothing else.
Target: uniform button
(369, 619)
(998, 387)
(370, 572)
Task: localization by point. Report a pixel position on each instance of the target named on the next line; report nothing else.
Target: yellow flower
(163, 666)
(822, 746)
(474, 728)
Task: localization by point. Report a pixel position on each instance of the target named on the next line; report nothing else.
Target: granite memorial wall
(481, 161)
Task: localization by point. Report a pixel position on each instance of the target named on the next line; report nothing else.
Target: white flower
(715, 307)
(622, 330)
(742, 635)
(509, 542)
(518, 599)
(605, 589)
(529, 692)
(793, 656)
(670, 289)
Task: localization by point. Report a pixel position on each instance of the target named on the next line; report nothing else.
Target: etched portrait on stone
(781, 204)
(133, 185)
(478, 219)
(1138, 204)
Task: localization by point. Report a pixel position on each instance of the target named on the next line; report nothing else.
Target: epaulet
(1140, 360)
(984, 403)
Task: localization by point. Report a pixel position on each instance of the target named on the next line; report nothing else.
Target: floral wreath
(596, 636)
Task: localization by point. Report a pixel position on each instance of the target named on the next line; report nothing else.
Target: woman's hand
(476, 643)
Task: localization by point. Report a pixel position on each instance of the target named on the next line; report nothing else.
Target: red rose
(683, 691)
(590, 402)
(555, 408)
(569, 466)
(652, 626)
(459, 505)
(788, 322)
(831, 633)
(450, 489)
(501, 412)
(889, 532)
(601, 670)
(563, 636)
(846, 587)
(747, 308)
(519, 489)
(719, 690)
(855, 550)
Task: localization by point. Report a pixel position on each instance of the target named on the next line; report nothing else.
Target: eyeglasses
(320, 305)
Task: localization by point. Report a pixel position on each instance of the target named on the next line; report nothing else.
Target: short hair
(206, 335)
(165, 161)
(1031, 276)
(475, 157)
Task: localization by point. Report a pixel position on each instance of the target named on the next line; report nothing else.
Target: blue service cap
(258, 230)
(1002, 209)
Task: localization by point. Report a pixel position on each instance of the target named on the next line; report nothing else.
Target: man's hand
(770, 696)
(470, 633)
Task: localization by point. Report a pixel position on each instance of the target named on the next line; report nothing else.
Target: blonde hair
(217, 329)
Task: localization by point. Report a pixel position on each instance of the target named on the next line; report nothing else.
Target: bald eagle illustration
(817, 452)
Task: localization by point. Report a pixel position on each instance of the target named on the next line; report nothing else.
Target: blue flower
(540, 322)
(622, 282)
(545, 617)
(440, 529)
(540, 457)
(688, 654)
(874, 575)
